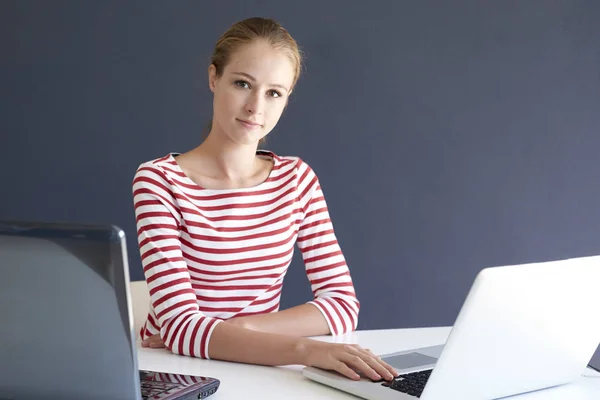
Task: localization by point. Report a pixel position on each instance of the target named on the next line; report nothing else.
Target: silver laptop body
(521, 328)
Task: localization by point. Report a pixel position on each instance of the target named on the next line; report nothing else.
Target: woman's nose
(254, 105)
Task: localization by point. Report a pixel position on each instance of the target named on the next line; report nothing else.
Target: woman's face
(252, 92)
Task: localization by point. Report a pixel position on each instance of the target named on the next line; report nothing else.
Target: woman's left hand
(154, 342)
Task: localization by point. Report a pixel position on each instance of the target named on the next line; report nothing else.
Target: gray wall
(448, 136)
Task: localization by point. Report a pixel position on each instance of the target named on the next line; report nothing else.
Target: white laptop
(521, 328)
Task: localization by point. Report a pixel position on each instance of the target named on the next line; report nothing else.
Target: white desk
(251, 381)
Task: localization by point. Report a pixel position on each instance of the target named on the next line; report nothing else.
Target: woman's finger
(156, 343)
(387, 366)
(377, 366)
(346, 371)
(357, 362)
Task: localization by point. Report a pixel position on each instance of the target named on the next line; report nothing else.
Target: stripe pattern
(211, 255)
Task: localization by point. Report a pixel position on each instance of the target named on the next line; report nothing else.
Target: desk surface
(252, 381)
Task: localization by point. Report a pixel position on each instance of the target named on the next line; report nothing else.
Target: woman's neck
(231, 161)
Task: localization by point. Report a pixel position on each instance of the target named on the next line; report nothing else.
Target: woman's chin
(247, 137)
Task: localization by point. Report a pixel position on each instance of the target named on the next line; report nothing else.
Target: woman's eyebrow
(251, 78)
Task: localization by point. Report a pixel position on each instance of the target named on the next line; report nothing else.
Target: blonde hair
(249, 30)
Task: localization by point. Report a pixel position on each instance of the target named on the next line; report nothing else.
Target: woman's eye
(274, 93)
(242, 84)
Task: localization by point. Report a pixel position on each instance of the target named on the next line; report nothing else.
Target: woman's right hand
(347, 359)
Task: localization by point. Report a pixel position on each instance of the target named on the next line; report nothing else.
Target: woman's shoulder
(160, 162)
(158, 168)
(287, 161)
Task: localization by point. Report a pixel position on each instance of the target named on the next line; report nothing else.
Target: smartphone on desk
(167, 386)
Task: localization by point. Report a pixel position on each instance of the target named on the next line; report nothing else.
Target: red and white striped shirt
(210, 255)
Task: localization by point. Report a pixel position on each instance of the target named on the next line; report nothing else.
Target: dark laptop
(66, 330)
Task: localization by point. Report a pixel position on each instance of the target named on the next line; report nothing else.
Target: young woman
(217, 227)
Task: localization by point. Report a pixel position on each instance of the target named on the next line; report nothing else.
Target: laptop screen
(595, 361)
(65, 327)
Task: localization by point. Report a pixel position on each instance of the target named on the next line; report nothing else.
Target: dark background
(448, 136)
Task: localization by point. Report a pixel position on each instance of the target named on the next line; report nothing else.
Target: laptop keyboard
(411, 384)
(157, 389)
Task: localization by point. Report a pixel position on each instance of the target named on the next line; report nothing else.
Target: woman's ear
(212, 77)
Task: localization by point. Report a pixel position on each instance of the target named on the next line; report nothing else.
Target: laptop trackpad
(409, 360)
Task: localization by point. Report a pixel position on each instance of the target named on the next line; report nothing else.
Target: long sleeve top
(210, 255)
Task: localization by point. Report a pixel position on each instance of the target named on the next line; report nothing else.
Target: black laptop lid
(64, 324)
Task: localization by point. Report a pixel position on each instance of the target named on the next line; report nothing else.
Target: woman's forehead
(263, 63)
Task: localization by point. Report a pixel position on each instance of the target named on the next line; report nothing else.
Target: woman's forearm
(302, 320)
(231, 342)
